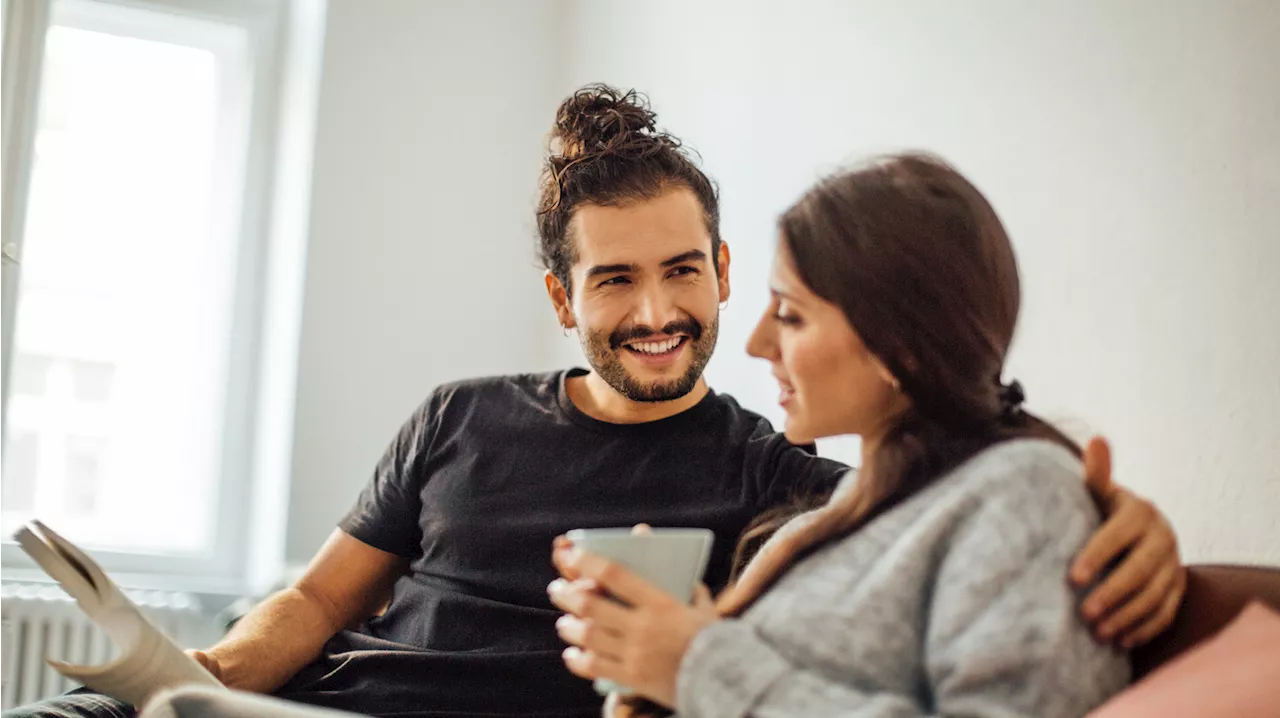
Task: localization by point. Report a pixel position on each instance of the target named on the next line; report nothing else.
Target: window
(131, 342)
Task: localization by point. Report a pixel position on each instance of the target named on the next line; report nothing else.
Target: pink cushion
(1236, 673)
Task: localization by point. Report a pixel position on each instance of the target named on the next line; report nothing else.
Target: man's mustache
(623, 335)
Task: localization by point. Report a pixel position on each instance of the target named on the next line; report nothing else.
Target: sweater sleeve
(1001, 635)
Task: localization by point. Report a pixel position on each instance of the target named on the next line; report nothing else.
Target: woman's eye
(787, 319)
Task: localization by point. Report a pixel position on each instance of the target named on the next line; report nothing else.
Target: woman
(932, 585)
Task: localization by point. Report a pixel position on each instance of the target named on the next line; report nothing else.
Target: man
(456, 526)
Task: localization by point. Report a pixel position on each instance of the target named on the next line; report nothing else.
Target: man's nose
(655, 310)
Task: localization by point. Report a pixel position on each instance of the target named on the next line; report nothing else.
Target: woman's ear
(886, 375)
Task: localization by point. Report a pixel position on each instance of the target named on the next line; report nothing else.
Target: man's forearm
(273, 642)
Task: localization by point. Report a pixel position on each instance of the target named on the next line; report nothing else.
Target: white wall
(1132, 148)
(421, 265)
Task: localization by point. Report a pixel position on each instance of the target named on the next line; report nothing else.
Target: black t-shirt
(473, 490)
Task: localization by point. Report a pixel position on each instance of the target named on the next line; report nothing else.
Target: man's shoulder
(728, 408)
(753, 425)
(462, 402)
(758, 431)
(538, 390)
(538, 383)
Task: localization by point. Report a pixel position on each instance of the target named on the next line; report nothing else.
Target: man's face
(645, 294)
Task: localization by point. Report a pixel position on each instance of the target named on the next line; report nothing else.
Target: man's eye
(615, 281)
(683, 270)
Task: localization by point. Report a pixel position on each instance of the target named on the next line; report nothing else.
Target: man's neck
(597, 399)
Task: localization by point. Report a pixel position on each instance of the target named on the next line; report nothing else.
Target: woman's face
(830, 383)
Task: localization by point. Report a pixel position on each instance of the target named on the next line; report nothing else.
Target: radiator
(40, 621)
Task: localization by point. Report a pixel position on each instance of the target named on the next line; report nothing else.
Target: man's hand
(347, 581)
(206, 660)
(1138, 597)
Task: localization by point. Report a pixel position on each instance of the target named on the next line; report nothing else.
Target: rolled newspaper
(149, 661)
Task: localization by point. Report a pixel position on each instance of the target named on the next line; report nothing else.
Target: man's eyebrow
(690, 256)
(610, 269)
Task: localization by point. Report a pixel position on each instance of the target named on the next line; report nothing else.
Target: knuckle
(1143, 605)
(633, 667)
(1124, 613)
(1160, 618)
(1134, 612)
(645, 623)
(609, 572)
(1139, 632)
(581, 606)
(1125, 584)
(1103, 598)
(628, 659)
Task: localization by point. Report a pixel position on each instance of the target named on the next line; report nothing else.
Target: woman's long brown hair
(921, 266)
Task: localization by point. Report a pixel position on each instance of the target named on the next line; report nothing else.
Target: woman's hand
(637, 640)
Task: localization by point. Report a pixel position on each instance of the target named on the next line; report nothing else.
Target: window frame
(229, 564)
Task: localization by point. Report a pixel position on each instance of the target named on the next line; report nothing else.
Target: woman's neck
(871, 442)
(873, 439)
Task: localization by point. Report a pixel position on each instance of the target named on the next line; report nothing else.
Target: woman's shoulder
(1014, 462)
(1023, 478)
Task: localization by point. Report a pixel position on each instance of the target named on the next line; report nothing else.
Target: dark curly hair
(606, 150)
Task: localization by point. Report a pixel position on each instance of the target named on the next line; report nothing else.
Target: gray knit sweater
(954, 603)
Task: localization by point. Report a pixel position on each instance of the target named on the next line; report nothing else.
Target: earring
(565, 328)
(724, 305)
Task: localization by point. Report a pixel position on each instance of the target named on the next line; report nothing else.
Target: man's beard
(604, 354)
